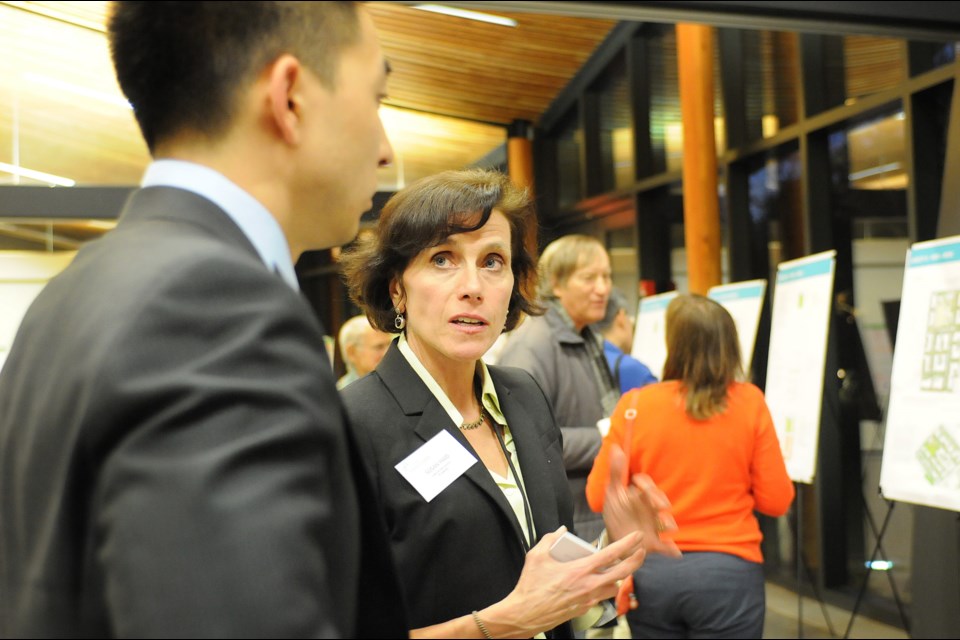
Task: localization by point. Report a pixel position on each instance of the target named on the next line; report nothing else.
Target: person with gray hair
(617, 331)
(565, 356)
(361, 347)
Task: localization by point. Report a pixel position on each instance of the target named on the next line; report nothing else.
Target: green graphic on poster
(941, 349)
(940, 458)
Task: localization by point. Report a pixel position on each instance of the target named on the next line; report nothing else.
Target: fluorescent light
(101, 225)
(76, 89)
(873, 171)
(469, 15)
(879, 565)
(37, 175)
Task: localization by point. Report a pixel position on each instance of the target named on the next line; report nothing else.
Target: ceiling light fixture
(37, 175)
(469, 15)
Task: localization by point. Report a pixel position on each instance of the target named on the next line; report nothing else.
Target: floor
(782, 614)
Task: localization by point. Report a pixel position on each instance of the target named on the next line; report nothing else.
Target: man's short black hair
(182, 64)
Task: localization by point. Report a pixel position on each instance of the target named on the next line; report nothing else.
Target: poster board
(799, 327)
(921, 448)
(744, 301)
(22, 275)
(650, 335)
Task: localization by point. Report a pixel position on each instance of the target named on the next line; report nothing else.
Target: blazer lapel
(536, 475)
(428, 418)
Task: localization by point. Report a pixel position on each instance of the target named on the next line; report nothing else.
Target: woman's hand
(637, 504)
(550, 592)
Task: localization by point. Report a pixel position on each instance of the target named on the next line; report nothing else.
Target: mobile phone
(571, 547)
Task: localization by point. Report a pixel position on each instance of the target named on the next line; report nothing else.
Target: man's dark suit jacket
(462, 551)
(174, 460)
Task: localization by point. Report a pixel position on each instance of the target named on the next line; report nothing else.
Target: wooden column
(520, 168)
(520, 153)
(701, 209)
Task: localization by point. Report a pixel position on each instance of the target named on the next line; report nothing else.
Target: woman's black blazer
(463, 550)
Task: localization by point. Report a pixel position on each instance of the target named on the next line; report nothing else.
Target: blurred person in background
(565, 356)
(617, 329)
(708, 440)
(361, 347)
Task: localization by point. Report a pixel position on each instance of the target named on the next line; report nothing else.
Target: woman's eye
(494, 262)
(440, 260)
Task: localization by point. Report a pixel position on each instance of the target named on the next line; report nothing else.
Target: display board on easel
(799, 327)
(22, 275)
(650, 335)
(921, 449)
(744, 301)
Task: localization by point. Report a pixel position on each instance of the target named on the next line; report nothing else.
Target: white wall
(23, 274)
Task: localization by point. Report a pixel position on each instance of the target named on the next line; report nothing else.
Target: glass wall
(616, 128)
(569, 143)
(666, 132)
(780, 64)
(835, 149)
(666, 121)
(872, 65)
(775, 206)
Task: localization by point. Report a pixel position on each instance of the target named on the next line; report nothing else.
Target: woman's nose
(470, 286)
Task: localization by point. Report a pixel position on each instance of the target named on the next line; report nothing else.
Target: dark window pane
(616, 127)
(780, 61)
(569, 143)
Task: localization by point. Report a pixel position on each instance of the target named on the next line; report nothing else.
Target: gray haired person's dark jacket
(558, 359)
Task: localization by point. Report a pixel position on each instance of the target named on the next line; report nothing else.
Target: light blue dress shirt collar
(260, 227)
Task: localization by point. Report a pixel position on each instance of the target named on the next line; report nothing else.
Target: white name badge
(432, 467)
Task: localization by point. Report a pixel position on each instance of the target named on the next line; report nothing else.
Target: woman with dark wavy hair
(707, 439)
(467, 459)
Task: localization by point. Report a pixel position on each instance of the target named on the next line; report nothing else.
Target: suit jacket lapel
(428, 418)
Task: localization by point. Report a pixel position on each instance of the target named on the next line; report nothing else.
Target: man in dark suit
(174, 459)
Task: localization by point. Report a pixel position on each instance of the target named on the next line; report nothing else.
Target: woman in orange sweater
(708, 441)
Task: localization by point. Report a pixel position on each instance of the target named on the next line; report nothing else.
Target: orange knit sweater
(716, 472)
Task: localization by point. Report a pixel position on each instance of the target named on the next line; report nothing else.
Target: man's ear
(350, 353)
(285, 107)
(555, 287)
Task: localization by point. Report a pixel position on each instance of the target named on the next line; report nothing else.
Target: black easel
(891, 310)
(878, 550)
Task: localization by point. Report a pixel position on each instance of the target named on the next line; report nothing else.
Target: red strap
(629, 418)
(626, 600)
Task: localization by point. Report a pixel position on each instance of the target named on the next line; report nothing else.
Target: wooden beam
(520, 153)
(701, 208)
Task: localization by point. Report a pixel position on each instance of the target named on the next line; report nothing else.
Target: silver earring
(399, 322)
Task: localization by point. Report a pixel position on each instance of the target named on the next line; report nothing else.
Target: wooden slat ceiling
(456, 83)
(484, 72)
(61, 111)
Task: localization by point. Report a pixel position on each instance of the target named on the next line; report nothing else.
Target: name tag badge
(432, 467)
